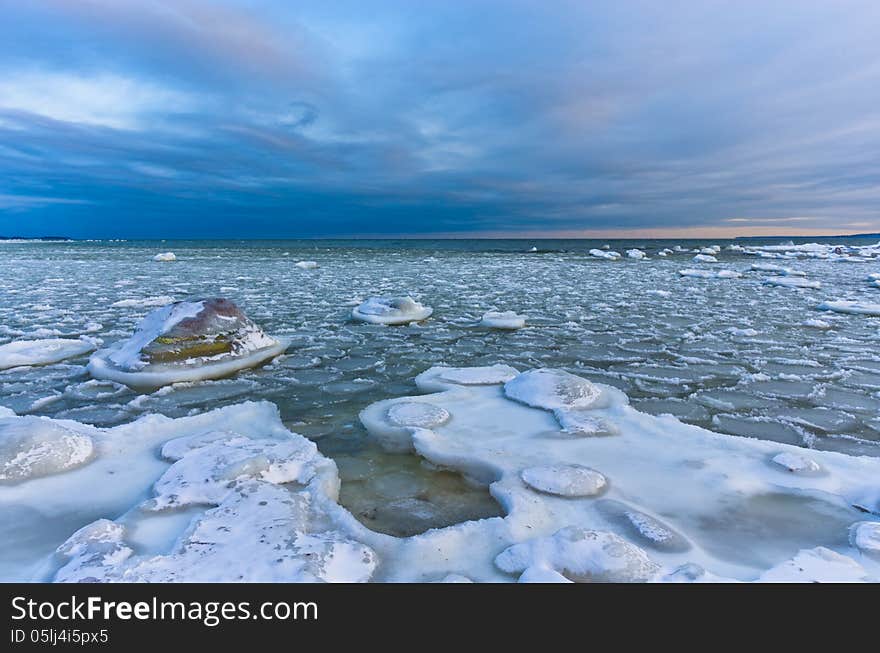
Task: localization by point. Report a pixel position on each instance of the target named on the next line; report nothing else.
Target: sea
(732, 355)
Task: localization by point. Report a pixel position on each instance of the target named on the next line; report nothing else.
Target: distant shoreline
(420, 237)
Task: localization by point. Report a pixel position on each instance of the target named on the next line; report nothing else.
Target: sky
(271, 119)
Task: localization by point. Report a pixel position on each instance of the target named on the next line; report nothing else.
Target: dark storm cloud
(268, 119)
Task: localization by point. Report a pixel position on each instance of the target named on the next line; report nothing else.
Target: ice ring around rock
(187, 341)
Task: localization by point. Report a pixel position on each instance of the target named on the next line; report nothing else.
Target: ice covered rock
(165, 257)
(307, 265)
(503, 320)
(635, 253)
(31, 447)
(791, 282)
(551, 390)
(819, 565)
(564, 480)
(705, 258)
(851, 307)
(43, 352)
(710, 274)
(865, 536)
(796, 463)
(391, 310)
(186, 341)
(581, 555)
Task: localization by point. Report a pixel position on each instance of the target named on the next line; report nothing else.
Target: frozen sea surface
(732, 355)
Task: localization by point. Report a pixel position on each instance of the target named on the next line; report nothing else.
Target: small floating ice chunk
(419, 414)
(603, 254)
(635, 253)
(43, 352)
(851, 307)
(791, 282)
(307, 265)
(391, 310)
(819, 565)
(705, 258)
(582, 556)
(710, 274)
(505, 320)
(796, 463)
(564, 480)
(165, 257)
(865, 536)
(743, 333)
(31, 447)
(816, 324)
(551, 389)
(186, 341)
(146, 302)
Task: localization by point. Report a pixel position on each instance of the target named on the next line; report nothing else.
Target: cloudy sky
(259, 118)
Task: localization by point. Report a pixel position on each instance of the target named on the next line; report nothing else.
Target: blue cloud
(124, 118)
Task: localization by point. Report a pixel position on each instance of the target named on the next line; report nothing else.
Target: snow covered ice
(43, 352)
(502, 320)
(391, 310)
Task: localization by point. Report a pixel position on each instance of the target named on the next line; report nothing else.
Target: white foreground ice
(43, 352)
(165, 257)
(235, 496)
(307, 265)
(503, 320)
(635, 253)
(391, 310)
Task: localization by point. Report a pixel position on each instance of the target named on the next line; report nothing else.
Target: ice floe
(503, 320)
(44, 352)
(730, 506)
(710, 274)
(791, 282)
(307, 265)
(605, 254)
(186, 341)
(244, 499)
(635, 253)
(391, 310)
(850, 306)
(165, 257)
(705, 258)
